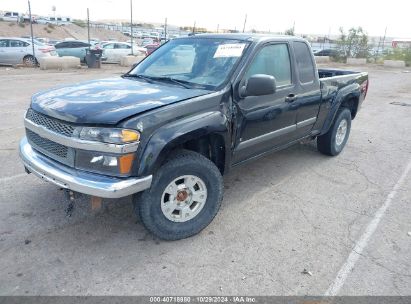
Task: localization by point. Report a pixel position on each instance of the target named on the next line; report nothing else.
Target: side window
(305, 65)
(273, 60)
(4, 43)
(108, 46)
(121, 46)
(18, 43)
(61, 45)
(79, 44)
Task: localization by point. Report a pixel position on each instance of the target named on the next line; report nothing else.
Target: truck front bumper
(79, 181)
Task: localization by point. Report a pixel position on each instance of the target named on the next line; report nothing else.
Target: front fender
(173, 134)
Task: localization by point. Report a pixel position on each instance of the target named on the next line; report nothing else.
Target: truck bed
(327, 73)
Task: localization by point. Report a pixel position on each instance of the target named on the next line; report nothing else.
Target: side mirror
(259, 85)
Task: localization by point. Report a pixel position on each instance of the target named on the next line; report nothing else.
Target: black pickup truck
(166, 131)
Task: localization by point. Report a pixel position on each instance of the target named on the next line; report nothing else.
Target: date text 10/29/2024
(205, 299)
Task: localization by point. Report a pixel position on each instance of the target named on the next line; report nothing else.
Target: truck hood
(108, 101)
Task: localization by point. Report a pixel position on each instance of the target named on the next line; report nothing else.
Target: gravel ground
(289, 211)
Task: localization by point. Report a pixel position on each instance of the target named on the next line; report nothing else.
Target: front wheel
(333, 142)
(183, 199)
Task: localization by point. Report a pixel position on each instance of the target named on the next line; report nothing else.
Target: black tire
(30, 61)
(327, 143)
(147, 204)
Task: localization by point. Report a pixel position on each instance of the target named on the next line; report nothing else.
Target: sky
(310, 17)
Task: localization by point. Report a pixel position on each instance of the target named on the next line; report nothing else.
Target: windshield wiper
(180, 82)
(183, 83)
(146, 78)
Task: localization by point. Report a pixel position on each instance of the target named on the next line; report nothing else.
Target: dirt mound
(12, 29)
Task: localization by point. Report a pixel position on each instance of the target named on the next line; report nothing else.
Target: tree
(289, 32)
(353, 44)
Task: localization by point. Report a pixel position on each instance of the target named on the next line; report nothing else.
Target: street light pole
(245, 21)
(131, 26)
(31, 32)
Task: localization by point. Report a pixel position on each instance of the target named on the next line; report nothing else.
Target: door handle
(291, 98)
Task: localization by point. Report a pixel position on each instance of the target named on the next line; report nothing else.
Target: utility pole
(88, 27)
(383, 39)
(131, 26)
(218, 27)
(31, 32)
(194, 28)
(245, 21)
(165, 29)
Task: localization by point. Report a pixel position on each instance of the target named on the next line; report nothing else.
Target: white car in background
(19, 51)
(114, 51)
(138, 34)
(11, 16)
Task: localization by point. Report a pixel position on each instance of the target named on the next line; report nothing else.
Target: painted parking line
(359, 247)
(9, 178)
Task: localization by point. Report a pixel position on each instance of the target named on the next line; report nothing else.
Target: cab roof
(248, 37)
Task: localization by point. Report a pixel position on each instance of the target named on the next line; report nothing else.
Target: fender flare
(351, 91)
(175, 133)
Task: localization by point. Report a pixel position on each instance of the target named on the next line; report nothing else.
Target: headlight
(109, 164)
(110, 135)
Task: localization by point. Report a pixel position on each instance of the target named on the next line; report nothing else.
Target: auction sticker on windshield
(229, 50)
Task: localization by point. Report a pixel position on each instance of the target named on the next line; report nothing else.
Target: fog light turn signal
(125, 162)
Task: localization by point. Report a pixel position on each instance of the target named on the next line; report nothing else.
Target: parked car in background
(74, 48)
(53, 42)
(151, 47)
(147, 41)
(155, 36)
(114, 51)
(138, 34)
(42, 40)
(146, 35)
(20, 51)
(11, 16)
(326, 52)
(53, 20)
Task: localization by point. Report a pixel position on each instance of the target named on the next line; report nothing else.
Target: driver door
(269, 121)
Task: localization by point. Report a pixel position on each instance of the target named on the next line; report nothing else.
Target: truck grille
(50, 123)
(51, 149)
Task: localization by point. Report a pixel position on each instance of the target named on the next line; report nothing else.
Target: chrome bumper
(79, 181)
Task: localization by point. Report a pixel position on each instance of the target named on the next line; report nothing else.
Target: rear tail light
(47, 50)
(364, 87)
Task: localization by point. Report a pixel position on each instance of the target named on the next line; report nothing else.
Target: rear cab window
(304, 61)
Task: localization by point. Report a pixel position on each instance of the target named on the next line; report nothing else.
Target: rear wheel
(333, 142)
(183, 199)
(29, 60)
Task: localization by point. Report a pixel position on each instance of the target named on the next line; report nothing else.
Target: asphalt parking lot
(344, 220)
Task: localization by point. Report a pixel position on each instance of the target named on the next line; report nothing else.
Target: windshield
(204, 62)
